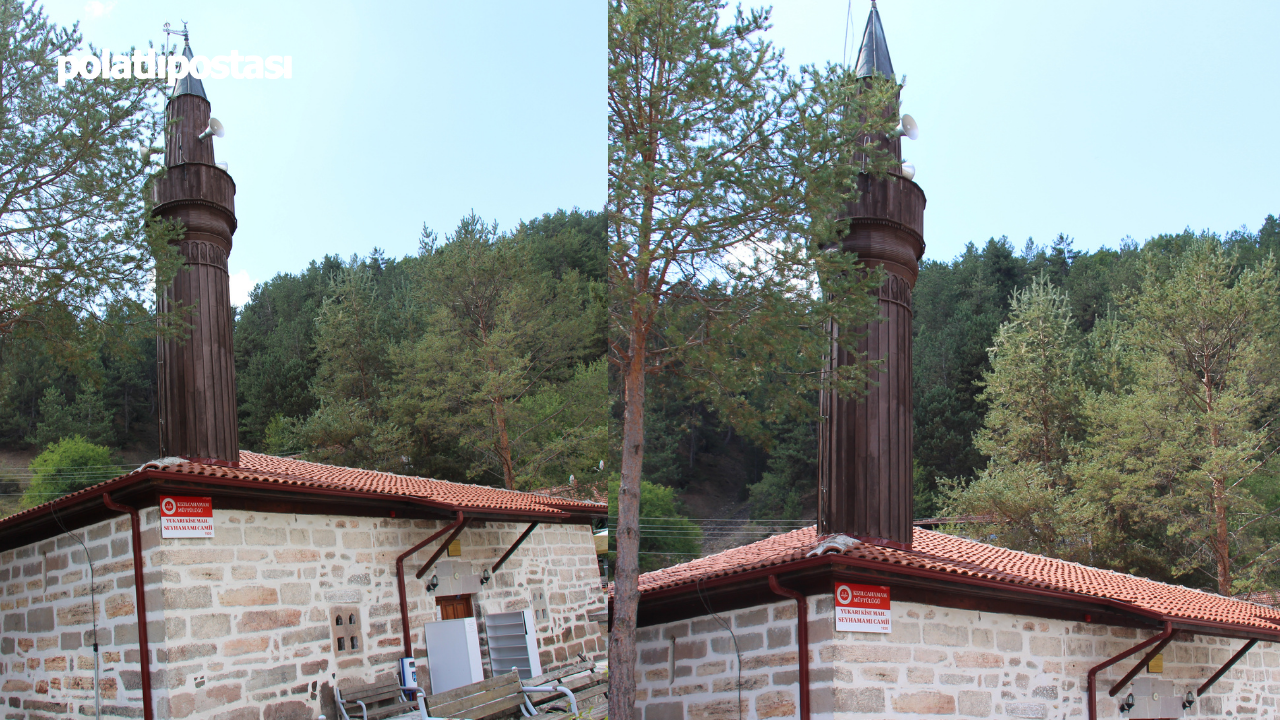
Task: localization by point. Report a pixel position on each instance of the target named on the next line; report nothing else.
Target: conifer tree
(1183, 454)
(726, 177)
(1025, 498)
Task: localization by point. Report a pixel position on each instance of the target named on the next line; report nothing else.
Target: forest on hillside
(481, 359)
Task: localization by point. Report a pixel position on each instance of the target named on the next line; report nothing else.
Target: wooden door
(453, 607)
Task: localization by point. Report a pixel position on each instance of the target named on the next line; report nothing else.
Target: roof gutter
(140, 602)
(404, 600)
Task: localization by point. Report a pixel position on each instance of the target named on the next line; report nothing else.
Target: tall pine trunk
(626, 592)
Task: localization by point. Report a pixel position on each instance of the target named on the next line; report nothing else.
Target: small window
(348, 631)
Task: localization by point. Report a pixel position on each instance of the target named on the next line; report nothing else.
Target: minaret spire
(864, 444)
(196, 372)
(189, 85)
(873, 55)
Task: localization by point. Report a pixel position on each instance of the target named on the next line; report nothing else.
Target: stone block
(974, 703)
(865, 653)
(1046, 646)
(1035, 711)
(248, 596)
(297, 555)
(775, 703)
(187, 598)
(925, 702)
(950, 635)
(262, 620)
(206, 626)
(751, 618)
(880, 673)
(779, 637)
(40, 620)
(920, 675)
(726, 709)
(259, 679)
(298, 593)
(69, 641)
(306, 635)
(258, 535)
(356, 540)
(859, 700)
(973, 659)
(287, 710)
(664, 711)
(15, 622)
(655, 655)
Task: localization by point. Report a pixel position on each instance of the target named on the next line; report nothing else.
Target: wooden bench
(497, 697)
(378, 701)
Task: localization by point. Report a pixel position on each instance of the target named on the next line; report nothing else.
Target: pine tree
(1182, 455)
(726, 176)
(1025, 498)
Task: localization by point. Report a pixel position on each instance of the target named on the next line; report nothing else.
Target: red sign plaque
(186, 517)
(862, 608)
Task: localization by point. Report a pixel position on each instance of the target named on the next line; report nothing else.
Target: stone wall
(240, 625)
(937, 661)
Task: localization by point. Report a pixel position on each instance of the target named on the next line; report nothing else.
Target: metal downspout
(144, 651)
(802, 639)
(404, 600)
(1162, 638)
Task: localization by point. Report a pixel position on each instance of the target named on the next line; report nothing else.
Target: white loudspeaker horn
(908, 127)
(908, 171)
(215, 128)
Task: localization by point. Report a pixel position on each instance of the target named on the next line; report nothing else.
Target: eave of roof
(300, 478)
(1006, 570)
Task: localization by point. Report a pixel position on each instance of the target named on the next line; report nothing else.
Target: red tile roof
(971, 561)
(288, 473)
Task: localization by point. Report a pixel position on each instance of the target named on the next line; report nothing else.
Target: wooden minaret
(864, 444)
(196, 373)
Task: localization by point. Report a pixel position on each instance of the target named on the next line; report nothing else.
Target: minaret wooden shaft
(196, 372)
(865, 443)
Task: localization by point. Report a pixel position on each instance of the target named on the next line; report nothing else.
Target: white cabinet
(453, 653)
(513, 643)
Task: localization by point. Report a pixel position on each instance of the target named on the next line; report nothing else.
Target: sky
(397, 115)
(1100, 120)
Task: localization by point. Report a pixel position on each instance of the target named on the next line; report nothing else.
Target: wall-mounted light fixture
(433, 583)
(485, 577)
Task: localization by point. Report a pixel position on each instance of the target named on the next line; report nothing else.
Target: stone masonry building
(239, 624)
(977, 631)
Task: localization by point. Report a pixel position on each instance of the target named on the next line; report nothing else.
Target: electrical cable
(93, 605)
(698, 586)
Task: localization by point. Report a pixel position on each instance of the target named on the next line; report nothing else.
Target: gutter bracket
(520, 540)
(1093, 671)
(443, 546)
(1223, 670)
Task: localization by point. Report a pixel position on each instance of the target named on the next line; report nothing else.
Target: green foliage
(1147, 444)
(84, 417)
(417, 364)
(1032, 432)
(275, 349)
(672, 538)
(66, 466)
(77, 240)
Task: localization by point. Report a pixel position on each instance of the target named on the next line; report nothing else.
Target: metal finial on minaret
(865, 442)
(196, 373)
